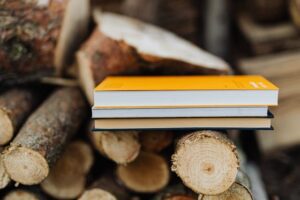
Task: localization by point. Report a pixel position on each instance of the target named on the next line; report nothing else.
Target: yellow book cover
(165, 83)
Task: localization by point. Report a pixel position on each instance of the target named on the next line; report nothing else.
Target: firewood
(40, 43)
(175, 192)
(114, 50)
(15, 107)
(206, 161)
(148, 173)
(4, 178)
(179, 197)
(43, 136)
(20, 195)
(155, 141)
(108, 183)
(238, 191)
(121, 146)
(95, 194)
(294, 9)
(67, 178)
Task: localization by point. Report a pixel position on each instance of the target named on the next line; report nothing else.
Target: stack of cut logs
(47, 147)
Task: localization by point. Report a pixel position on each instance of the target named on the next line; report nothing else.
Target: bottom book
(182, 123)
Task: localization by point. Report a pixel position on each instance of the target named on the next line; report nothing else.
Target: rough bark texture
(30, 45)
(294, 9)
(44, 135)
(122, 146)
(67, 178)
(155, 141)
(30, 31)
(15, 107)
(95, 194)
(206, 161)
(147, 174)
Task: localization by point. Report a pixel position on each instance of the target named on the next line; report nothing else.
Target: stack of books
(184, 102)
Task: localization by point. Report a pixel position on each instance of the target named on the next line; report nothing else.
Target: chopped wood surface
(206, 161)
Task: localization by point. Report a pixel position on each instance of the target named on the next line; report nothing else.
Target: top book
(184, 91)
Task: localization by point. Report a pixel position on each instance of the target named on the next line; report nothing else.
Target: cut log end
(20, 195)
(235, 192)
(67, 178)
(95, 194)
(148, 173)
(206, 162)
(179, 197)
(122, 146)
(25, 166)
(7, 129)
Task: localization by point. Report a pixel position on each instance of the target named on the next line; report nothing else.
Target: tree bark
(155, 141)
(121, 146)
(15, 106)
(44, 135)
(95, 194)
(147, 174)
(112, 50)
(39, 37)
(67, 178)
(206, 161)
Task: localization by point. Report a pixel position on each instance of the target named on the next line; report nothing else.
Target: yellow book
(184, 91)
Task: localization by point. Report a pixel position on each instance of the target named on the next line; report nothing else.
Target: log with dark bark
(206, 161)
(95, 194)
(175, 192)
(114, 50)
(15, 107)
(239, 190)
(38, 37)
(122, 146)
(147, 174)
(67, 178)
(294, 9)
(44, 135)
(155, 141)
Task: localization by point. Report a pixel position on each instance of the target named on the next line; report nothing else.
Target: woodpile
(45, 148)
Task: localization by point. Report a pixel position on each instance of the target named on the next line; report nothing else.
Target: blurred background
(255, 37)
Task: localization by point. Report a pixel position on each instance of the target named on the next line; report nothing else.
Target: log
(113, 50)
(179, 197)
(20, 195)
(206, 161)
(175, 192)
(67, 178)
(24, 194)
(155, 141)
(4, 178)
(44, 135)
(121, 146)
(294, 9)
(147, 174)
(95, 194)
(240, 190)
(43, 43)
(15, 106)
